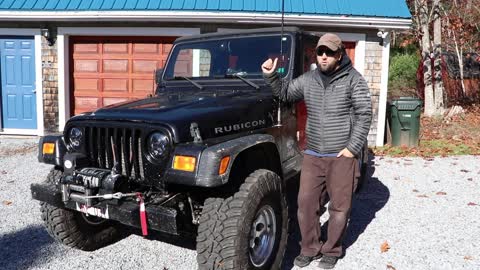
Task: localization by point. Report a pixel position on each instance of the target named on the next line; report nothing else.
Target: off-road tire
(70, 227)
(225, 225)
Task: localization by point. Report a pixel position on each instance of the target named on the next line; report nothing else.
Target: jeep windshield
(227, 58)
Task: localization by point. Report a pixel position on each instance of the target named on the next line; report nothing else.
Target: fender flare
(207, 175)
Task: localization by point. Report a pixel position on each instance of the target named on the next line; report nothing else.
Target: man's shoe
(327, 262)
(302, 260)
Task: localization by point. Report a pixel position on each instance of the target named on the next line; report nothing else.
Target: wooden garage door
(108, 70)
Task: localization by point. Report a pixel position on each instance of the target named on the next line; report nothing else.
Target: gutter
(211, 17)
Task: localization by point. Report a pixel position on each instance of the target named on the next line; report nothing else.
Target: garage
(108, 70)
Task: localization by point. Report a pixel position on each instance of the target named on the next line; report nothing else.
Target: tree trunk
(437, 65)
(459, 51)
(427, 63)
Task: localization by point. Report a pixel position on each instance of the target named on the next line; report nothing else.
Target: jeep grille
(121, 147)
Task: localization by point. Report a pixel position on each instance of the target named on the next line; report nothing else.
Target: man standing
(339, 114)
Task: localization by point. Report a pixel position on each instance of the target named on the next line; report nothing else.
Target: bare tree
(461, 19)
(439, 104)
(426, 12)
(452, 33)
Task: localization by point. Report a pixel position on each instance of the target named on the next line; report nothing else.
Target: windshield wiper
(190, 80)
(247, 81)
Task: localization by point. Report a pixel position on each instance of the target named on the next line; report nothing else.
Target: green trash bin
(405, 121)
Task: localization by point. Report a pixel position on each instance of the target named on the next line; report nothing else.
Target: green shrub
(402, 72)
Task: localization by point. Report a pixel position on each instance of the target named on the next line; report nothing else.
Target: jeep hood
(216, 113)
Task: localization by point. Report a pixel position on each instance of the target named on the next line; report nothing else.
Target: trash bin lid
(407, 103)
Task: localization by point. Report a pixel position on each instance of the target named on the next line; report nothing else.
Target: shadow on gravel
(372, 197)
(21, 249)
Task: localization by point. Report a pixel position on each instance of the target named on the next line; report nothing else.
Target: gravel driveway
(427, 211)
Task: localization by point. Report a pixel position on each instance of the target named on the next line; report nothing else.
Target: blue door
(17, 73)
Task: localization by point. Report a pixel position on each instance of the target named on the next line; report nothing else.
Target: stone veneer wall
(50, 86)
(373, 76)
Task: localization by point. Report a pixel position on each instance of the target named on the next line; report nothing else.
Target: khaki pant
(322, 178)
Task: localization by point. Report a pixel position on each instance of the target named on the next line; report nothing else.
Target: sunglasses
(328, 52)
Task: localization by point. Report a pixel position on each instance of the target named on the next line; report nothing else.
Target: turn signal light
(184, 163)
(48, 148)
(223, 165)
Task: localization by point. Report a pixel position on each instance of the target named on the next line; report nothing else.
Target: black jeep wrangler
(208, 155)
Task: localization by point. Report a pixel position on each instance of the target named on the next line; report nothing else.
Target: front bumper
(159, 218)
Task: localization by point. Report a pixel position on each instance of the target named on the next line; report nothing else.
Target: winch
(90, 184)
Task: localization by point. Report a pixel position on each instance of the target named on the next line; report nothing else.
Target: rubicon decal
(241, 126)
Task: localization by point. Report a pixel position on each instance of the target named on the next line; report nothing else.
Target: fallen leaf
(415, 190)
(465, 171)
(441, 193)
(389, 266)
(3, 172)
(472, 204)
(468, 258)
(454, 163)
(422, 196)
(7, 202)
(470, 179)
(384, 247)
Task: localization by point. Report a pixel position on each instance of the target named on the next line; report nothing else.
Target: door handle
(34, 91)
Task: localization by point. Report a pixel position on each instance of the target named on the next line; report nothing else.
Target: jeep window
(220, 58)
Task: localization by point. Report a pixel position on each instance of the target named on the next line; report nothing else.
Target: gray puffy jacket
(338, 115)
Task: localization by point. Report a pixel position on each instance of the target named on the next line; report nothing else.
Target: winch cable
(117, 195)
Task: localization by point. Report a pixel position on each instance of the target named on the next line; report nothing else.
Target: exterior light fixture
(48, 35)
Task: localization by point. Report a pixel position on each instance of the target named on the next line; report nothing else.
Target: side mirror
(158, 75)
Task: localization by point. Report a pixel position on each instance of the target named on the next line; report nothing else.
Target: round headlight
(75, 137)
(158, 145)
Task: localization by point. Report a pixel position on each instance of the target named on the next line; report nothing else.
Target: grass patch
(459, 135)
(430, 148)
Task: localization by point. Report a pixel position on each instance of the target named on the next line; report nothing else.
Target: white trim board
(382, 100)
(40, 131)
(210, 16)
(17, 131)
(63, 34)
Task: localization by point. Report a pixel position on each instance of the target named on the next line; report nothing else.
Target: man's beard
(329, 68)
